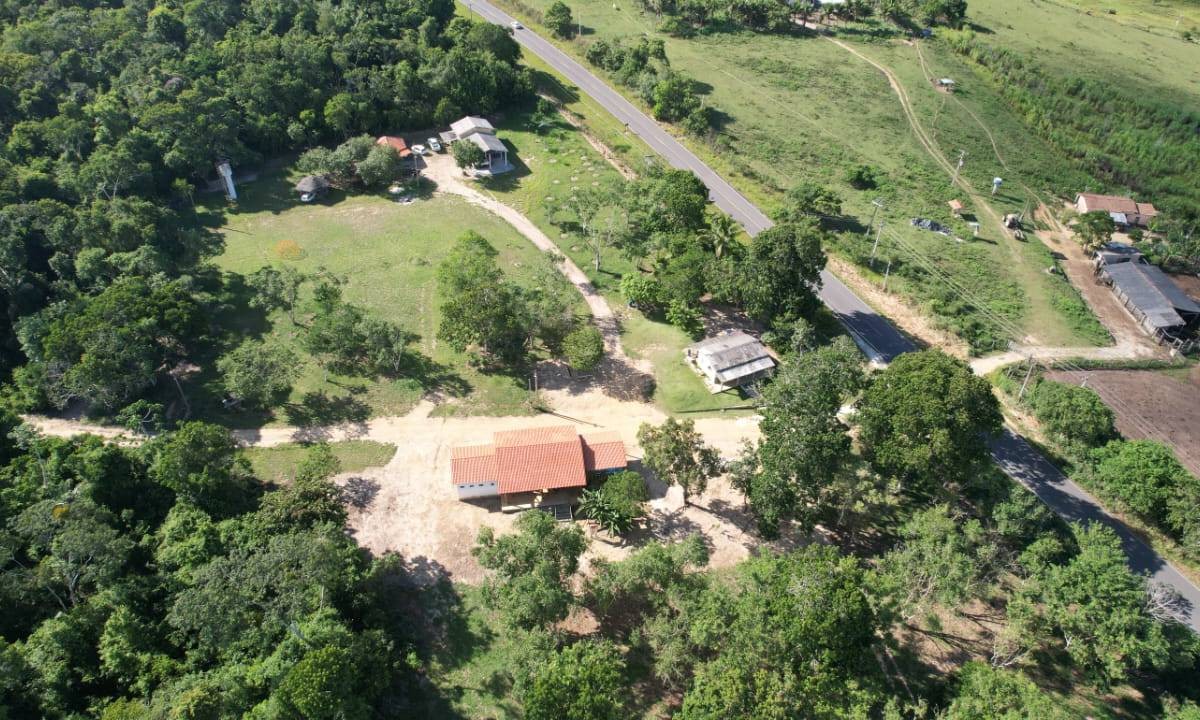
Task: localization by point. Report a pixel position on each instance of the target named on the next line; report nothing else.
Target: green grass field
(799, 108)
(1138, 44)
(388, 254)
(276, 464)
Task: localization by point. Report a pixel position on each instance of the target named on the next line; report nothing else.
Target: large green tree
(532, 569)
(782, 272)
(678, 455)
(926, 419)
(987, 693)
(804, 444)
(481, 309)
(1097, 607)
(257, 373)
(583, 681)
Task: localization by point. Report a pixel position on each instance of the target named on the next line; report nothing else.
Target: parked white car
(434, 145)
(418, 149)
(516, 25)
(307, 197)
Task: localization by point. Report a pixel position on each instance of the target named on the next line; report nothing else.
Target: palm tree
(722, 233)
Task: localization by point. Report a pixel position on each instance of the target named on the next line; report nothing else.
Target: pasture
(1138, 43)
(794, 108)
(387, 254)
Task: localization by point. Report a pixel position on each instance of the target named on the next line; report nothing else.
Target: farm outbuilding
(730, 360)
(396, 143)
(1159, 305)
(1125, 212)
(534, 467)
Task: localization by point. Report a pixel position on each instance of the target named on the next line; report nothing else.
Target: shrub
(644, 292)
(627, 492)
(583, 347)
(1072, 413)
(1142, 475)
(686, 317)
(862, 177)
(617, 503)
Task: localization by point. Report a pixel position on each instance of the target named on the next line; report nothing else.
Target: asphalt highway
(878, 338)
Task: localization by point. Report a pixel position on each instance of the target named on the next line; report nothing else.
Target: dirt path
(441, 169)
(408, 506)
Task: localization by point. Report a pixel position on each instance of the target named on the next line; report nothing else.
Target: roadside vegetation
(790, 109)
(1141, 479)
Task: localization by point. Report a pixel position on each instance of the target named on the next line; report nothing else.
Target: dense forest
(113, 117)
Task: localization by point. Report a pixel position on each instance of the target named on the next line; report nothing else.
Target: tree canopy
(926, 419)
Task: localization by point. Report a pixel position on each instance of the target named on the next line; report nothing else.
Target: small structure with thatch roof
(310, 186)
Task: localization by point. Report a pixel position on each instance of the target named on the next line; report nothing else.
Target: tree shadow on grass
(550, 84)
(317, 411)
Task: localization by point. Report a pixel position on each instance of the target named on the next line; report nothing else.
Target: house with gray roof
(730, 360)
(479, 132)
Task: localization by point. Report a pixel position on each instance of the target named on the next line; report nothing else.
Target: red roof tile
(544, 458)
(603, 451)
(397, 143)
(539, 459)
(473, 464)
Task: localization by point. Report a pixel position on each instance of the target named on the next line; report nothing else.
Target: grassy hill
(795, 108)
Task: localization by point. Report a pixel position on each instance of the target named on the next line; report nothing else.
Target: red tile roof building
(1125, 210)
(535, 459)
(397, 144)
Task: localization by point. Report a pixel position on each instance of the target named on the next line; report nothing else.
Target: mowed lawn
(797, 108)
(278, 464)
(388, 255)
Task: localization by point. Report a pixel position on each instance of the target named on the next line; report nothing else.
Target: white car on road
(516, 25)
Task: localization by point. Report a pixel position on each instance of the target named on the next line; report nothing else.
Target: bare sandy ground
(408, 506)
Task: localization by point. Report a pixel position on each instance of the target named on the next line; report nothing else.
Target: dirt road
(409, 507)
(441, 169)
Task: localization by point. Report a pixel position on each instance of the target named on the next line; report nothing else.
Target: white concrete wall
(477, 490)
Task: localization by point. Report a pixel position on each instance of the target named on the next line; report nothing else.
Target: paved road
(1027, 466)
(878, 338)
(881, 340)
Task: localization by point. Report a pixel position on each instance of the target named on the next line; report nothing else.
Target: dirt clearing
(408, 506)
(1150, 405)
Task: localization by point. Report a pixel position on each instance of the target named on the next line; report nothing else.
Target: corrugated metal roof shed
(1150, 290)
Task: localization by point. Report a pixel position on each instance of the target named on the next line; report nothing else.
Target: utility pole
(877, 204)
(887, 273)
(878, 232)
(1025, 382)
(954, 180)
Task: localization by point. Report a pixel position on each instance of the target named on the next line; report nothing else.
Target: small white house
(730, 360)
(480, 132)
